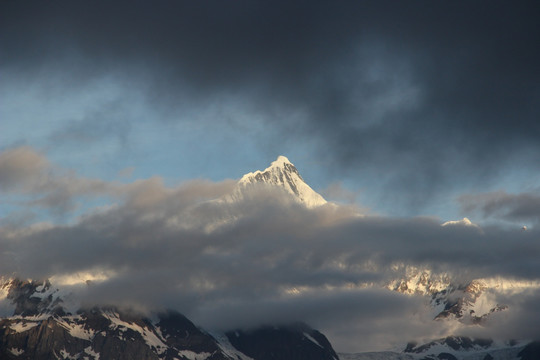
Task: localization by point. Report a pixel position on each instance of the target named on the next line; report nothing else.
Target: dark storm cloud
(411, 93)
(501, 205)
(321, 307)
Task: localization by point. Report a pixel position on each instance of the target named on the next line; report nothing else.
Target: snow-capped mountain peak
(284, 174)
(281, 161)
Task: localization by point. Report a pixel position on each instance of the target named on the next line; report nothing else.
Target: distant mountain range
(40, 328)
(41, 322)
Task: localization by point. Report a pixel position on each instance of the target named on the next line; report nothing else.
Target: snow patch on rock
(193, 355)
(151, 339)
(227, 348)
(16, 351)
(23, 326)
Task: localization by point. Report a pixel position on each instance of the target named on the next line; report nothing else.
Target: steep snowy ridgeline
(151, 338)
(284, 174)
(226, 346)
(307, 336)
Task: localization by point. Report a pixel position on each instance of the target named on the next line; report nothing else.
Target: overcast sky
(109, 111)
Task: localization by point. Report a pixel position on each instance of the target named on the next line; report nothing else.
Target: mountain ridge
(40, 328)
(282, 173)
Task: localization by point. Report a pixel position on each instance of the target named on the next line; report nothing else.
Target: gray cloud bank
(264, 259)
(427, 95)
(501, 205)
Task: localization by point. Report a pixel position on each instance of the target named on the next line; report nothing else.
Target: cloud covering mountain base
(264, 259)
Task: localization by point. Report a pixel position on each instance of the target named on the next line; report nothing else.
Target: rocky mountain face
(105, 334)
(41, 328)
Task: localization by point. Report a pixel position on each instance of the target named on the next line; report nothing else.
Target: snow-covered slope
(283, 174)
